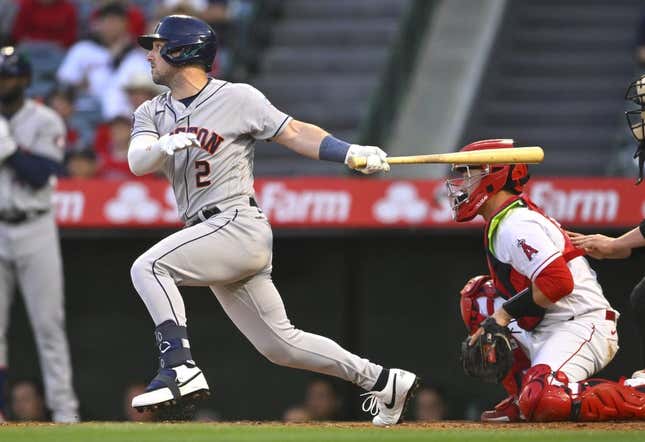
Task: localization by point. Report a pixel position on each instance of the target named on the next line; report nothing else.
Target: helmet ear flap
(518, 176)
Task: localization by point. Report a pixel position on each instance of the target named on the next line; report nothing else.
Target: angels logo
(528, 250)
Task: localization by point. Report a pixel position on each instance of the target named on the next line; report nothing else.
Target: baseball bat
(530, 154)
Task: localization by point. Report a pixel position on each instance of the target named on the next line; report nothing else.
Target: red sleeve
(555, 281)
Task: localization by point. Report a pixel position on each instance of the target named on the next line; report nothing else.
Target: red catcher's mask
(474, 184)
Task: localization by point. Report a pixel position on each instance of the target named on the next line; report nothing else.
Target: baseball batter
(31, 151)
(552, 293)
(201, 135)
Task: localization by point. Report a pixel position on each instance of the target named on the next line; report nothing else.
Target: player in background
(551, 292)
(201, 135)
(600, 246)
(32, 139)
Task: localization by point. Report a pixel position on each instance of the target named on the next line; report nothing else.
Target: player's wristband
(522, 304)
(333, 149)
(641, 227)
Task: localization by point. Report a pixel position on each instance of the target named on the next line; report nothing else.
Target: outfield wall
(391, 297)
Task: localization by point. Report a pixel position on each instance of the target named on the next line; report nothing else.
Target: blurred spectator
(207, 415)
(81, 164)
(135, 16)
(429, 405)
(27, 402)
(9, 10)
(103, 68)
(62, 101)
(296, 415)
(140, 88)
(46, 20)
(130, 413)
(111, 147)
(321, 404)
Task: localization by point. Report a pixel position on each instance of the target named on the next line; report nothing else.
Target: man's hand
(375, 158)
(7, 144)
(500, 316)
(171, 143)
(599, 246)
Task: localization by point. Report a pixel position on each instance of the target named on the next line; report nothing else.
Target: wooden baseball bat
(530, 155)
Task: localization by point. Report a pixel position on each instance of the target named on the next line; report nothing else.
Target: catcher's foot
(505, 411)
(171, 386)
(388, 405)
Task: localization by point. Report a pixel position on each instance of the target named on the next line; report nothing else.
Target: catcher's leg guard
(608, 400)
(505, 411)
(541, 401)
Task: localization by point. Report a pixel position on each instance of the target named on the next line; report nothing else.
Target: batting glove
(7, 144)
(171, 143)
(376, 158)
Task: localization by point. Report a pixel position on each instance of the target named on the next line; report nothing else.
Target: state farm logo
(132, 203)
(284, 205)
(68, 205)
(575, 205)
(401, 203)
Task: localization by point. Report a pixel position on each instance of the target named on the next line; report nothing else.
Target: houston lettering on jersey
(208, 140)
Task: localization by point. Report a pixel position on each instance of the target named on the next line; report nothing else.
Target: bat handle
(357, 162)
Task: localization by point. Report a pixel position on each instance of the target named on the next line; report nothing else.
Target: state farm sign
(302, 203)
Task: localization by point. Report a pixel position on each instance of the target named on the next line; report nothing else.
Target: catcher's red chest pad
(477, 287)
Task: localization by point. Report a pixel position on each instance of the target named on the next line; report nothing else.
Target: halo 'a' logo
(528, 250)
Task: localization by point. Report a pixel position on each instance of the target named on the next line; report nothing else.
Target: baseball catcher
(545, 287)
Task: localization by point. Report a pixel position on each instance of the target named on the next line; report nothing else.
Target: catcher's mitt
(491, 356)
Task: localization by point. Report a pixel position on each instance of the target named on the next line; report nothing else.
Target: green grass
(126, 432)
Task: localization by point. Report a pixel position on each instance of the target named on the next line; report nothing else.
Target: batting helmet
(13, 64)
(470, 191)
(188, 40)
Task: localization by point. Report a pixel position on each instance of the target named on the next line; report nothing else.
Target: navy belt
(18, 217)
(212, 211)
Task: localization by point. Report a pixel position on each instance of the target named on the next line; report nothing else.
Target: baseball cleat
(388, 405)
(171, 386)
(505, 411)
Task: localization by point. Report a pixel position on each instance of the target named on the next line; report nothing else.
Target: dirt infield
(443, 425)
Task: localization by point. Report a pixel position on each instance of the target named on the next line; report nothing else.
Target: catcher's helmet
(13, 64)
(189, 40)
(471, 189)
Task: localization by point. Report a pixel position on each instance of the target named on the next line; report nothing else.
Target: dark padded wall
(393, 300)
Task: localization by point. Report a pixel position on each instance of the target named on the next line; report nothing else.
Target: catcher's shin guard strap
(522, 304)
(165, 378)
(173, 345)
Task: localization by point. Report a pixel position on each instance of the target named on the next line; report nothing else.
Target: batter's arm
(143, 158)
(302, 138)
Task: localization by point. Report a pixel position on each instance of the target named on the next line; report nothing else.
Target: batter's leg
(40, 277)
(7, 290)
(256, 308)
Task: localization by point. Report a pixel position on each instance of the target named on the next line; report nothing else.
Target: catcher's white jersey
(578, 333)
(529, 242)
(227, 118)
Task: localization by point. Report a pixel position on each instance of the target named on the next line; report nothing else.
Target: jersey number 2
(203, 170)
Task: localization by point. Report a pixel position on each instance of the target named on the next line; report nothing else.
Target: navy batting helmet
(13, 64)
(190, 39)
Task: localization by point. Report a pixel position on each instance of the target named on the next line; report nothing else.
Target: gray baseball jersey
(30, 257)
(229, 252)
(37, 129)
(227, 119)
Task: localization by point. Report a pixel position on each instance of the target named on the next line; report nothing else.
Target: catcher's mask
(470, 186)
(636, 94)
